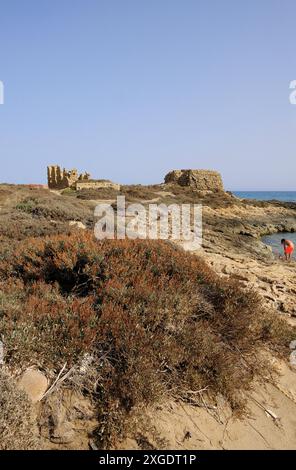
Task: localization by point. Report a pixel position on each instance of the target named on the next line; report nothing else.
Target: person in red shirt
(288, 248)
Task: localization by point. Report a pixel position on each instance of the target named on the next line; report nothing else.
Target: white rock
(293, 358)
(76, 223)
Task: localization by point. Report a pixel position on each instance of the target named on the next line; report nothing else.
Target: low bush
(49, 206)
(157, 321)
(132, 193)
(97, 194)
(16, 225)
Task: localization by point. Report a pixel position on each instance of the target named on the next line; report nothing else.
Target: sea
(287, 196)
(273, 240)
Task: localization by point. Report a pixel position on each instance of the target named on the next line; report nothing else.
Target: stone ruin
(61, 179)
(200, 180)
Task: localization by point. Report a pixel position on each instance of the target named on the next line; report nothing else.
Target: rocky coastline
(232, 245)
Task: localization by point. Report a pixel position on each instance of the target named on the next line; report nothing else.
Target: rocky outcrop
(232, 245)
(66, 420)
(201, 180)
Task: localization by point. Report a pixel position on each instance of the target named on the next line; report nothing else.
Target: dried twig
(192, 392)
(57, 380)
(270, 413)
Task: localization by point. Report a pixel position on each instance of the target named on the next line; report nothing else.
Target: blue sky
(130, 89)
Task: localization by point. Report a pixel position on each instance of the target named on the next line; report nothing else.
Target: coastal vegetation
(154, 321)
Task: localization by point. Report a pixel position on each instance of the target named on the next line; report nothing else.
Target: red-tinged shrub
(157, 320)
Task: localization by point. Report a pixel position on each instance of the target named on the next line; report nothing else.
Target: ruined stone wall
(201, 180)
(54, 177)
(62, 179)
(96, 185)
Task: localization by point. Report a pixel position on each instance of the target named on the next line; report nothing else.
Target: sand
(270, 422)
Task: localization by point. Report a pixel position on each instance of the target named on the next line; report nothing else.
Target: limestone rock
(293, 359)
(201, 180)
(67, 419)
(77, 223)
(63, 434)
(34, 383)
(241, 276)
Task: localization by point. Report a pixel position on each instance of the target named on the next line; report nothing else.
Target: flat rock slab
(34, 383)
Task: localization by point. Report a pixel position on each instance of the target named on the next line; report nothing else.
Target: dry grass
(26, 212)
(132, 193)
(55, 207)
(16, 418)
(138, 193)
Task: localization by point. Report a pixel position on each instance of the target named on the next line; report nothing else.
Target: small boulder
(293, 359)
(34, 383)
(77, 224)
